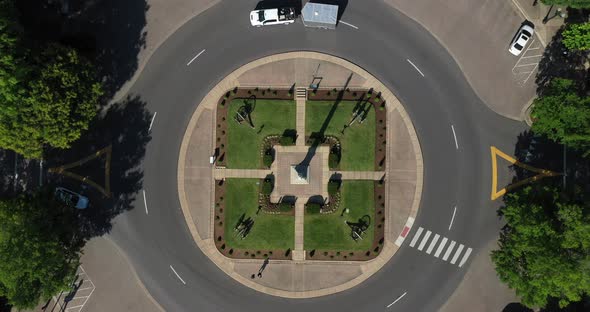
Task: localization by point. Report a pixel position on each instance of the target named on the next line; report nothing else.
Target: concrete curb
(467, 78)
(132, 269)
(207, 246)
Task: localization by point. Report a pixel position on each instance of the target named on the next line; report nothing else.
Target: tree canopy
(48, 92)
(576, 4)
(545, 247)
(39, 250)
(563, 115)
(576, 37)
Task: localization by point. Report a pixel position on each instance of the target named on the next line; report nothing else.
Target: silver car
(71, 198)
(525, 33)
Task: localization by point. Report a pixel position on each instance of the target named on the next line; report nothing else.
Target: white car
(525, 33)
(71, 198)
(281, 16)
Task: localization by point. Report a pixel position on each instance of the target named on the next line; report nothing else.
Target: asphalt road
(382, 44)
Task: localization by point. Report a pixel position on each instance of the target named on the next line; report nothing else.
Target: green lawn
(244, 143)
(358, 141)
(268, 232)
(329, 232)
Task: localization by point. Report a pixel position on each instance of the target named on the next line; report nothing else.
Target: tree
(39, 250)
(576, 4)
(576, 37)
(545, 247)
(563, 115)
(48, 93)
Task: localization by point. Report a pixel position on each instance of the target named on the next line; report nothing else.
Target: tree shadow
(516, 307)
(108, 31)
(558, 62)
(124, 126)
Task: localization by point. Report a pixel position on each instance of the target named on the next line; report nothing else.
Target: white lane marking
(440, 247)
(432, 243)
(455, 137)
(448, 252)
(453, 218)
(152, 122)
(180, 278)
(424, 240)
(416, 237)
(465, 256)
(398, 299)
(348, 24)
(145, 202)
(194, 58)
(416, 67)
(457, 254)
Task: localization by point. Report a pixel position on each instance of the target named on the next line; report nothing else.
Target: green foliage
(545, 248)
(333, 187)
(313, 208)
(576, 37)
(286, 140)
(563, 115)
(267, 187)
(577, 4)
(48, 94)
(267, 159)
(333, 160)
(285, 207)
(39, 251)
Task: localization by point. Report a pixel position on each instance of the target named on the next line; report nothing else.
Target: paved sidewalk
(106, 282)
(220, 173)
(298, 252)
(300, 120)
(481, 290)
(477, 34)
(359, 175)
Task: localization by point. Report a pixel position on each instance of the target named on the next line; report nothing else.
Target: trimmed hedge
(333, 160)
(267, 187)
(285, 207)
(267, 159)
(333, 187)
(287, 140)
(313, 208)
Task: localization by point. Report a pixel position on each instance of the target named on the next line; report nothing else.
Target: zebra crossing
(450, 248)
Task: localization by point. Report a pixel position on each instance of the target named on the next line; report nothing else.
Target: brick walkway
(222, 173)
(359, 175)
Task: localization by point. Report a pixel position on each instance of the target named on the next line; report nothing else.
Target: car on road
(278, 16)
(525, 33)
(71, 198)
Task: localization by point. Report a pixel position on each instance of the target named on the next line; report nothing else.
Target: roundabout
(454, 128)
(298, 271)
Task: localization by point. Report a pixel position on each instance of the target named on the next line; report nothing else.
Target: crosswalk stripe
(432, 244)
(448, 252)
(465, 256)
(440, 247)
(424, 240)
(457, 254)
(416, 237)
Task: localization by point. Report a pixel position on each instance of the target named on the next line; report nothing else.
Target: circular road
(438, 100)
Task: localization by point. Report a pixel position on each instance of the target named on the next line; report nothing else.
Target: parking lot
(528, 62)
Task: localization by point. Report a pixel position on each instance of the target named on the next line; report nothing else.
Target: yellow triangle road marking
(106, 190)
(541, 173)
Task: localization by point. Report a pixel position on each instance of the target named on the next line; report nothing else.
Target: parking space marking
(180, 278)
(398, 299)
(77, 297)
(528, 63)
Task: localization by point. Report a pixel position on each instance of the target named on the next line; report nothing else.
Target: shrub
(333, 187)
(286, 140)
(313, 208)
(333, 160)
(267, 159)
(267, 187)
(285, 207)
